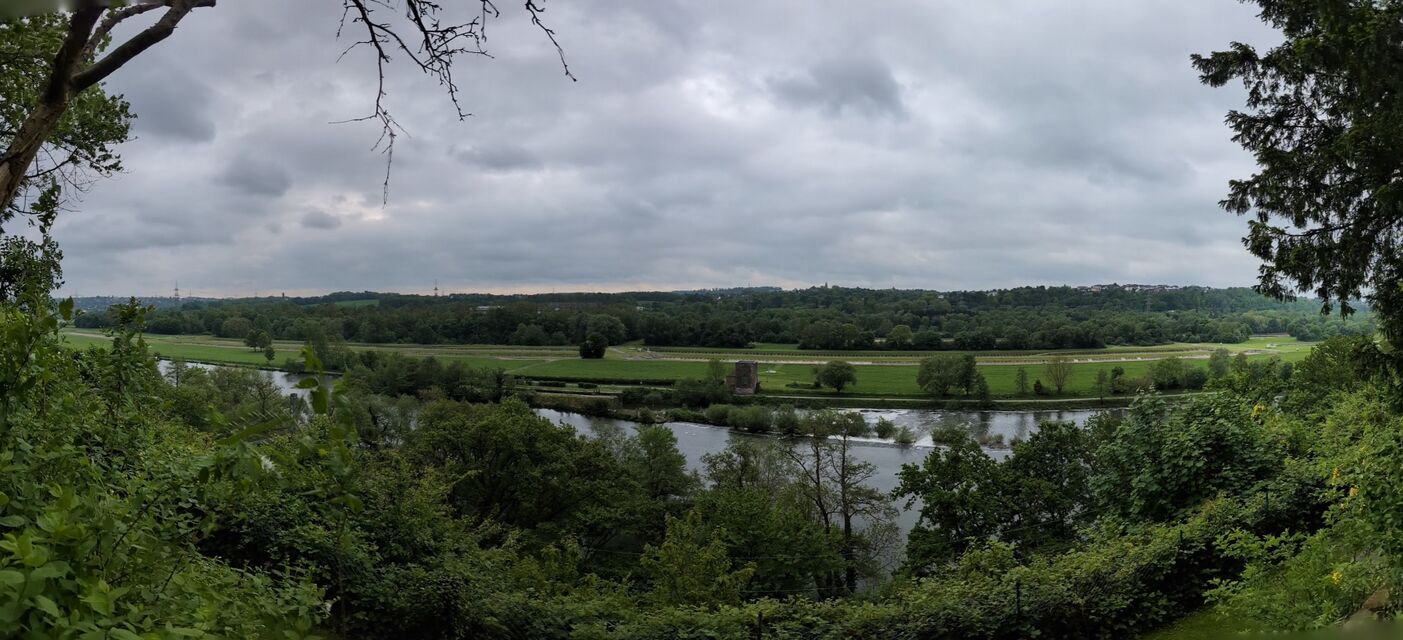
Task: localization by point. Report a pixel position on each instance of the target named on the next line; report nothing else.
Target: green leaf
(47, 606)
(55, 569)
(319, 401)
(100, 600)
(11, 577)
(13, 521)
(251, 432)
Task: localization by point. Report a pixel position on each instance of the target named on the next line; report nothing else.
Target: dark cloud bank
(911, 144)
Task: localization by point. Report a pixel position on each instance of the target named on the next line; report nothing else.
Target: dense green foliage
(83, 141)
(1321, 118)
(825, 318)
(206, 501)
(837, 375)
(413, 499)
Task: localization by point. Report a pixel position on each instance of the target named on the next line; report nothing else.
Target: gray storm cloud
(920, 144)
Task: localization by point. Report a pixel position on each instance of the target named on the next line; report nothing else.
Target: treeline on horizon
(822, 318)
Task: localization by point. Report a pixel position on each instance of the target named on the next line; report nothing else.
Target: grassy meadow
(879, 373)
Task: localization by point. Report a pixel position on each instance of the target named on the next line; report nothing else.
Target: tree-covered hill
(828, 318)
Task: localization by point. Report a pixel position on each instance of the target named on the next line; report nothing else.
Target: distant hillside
(101, 303)
(823, 318)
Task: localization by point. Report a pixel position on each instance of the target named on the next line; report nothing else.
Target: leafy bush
(885, 429)
(102, 500)
(719, 414)
(699, 394)
(786, 419)
(685, 415)
(753, 418)
(1159, 461)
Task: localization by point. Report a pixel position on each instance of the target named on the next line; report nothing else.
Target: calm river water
(697, 440)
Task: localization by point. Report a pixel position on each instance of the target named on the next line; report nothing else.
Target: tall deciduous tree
(1218, 363)
(1322, 118)
(81, 139)
(686, 571)
(939, 374)
(715, 371)
(594, 346)
(900, 337)
(837, 374)
(956, 487)
(833, 485)
(1103, 384)
(1059, 371)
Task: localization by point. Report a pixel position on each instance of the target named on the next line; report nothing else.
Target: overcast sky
(931, 144)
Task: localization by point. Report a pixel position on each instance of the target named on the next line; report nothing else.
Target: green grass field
(220, 350)
(1280, 345)
(894, 377)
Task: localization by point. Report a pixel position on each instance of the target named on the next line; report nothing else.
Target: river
(696, 440)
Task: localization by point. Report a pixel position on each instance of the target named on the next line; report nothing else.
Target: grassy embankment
(879, 373)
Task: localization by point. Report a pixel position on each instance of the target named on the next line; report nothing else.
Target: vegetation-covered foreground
(206, 504)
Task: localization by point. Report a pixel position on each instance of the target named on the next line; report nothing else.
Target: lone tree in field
(715, 371)
(1323, 118)
(69, 125)
(939, 374)
(1218, 363)
(838, 375)
(258, 340)
(1103, 384)
(594, 346)
(1059, 371)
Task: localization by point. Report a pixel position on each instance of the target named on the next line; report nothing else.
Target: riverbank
(609, 395)
(892, 384)
(890, 402)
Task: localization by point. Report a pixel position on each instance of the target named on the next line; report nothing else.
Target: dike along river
(696, 440)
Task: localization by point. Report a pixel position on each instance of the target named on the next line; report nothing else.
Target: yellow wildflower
(1336, 576)
(1258, 409)
(1335, 477)
(1353, 491)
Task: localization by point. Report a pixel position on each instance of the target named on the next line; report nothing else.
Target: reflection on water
(985, 426)
(287, 382)
(697, 440)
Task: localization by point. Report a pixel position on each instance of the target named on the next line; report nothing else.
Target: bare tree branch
(114, 18)
(436, 46)
(536, 12)
(138, 43)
